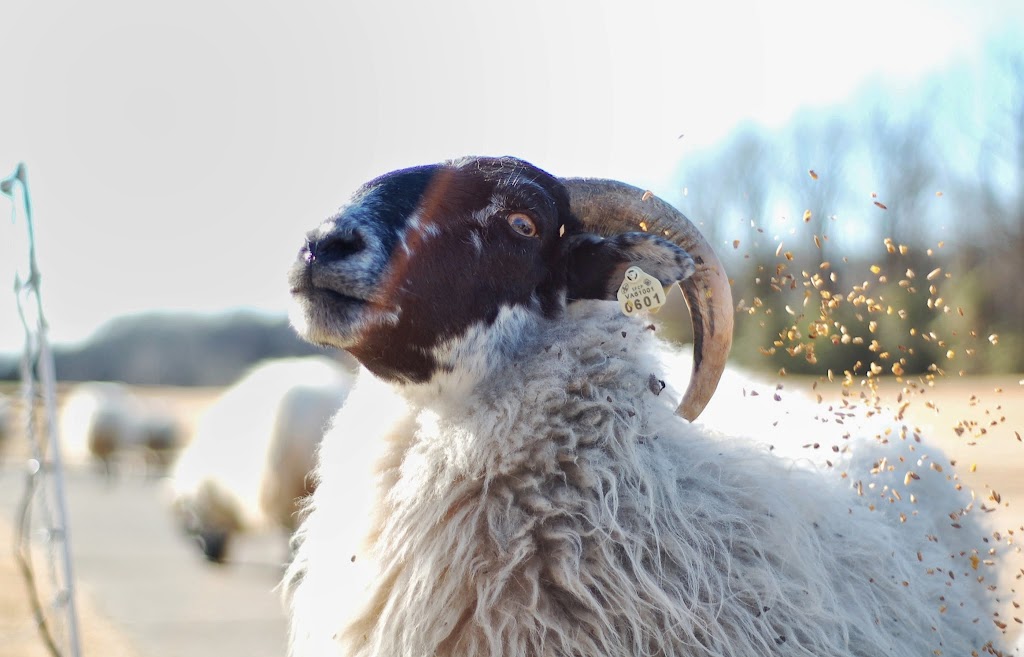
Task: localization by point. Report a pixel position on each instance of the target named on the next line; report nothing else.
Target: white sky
(177, 151)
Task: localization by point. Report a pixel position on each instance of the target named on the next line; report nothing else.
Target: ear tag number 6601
(640, 292)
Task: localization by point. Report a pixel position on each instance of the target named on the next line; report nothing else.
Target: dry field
(18, 634)
(978, 421)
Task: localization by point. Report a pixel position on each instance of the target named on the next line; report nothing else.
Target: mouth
(322, 313)
(328, 298)
(315, 294)
(306, 282)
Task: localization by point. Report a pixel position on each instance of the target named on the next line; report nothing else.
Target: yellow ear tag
(640, 292)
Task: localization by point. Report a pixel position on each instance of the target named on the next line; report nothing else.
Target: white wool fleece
(547, 502)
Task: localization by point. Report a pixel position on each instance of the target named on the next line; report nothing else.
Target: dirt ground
(142, 587)
(19, 636)
(978, 421)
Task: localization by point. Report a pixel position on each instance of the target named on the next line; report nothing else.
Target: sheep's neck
(465, 364)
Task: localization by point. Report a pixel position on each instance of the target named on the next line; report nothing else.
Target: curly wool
(544, 500)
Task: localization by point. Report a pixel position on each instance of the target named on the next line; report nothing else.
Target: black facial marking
(388, 201)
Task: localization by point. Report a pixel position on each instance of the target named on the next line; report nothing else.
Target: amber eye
(522, 224)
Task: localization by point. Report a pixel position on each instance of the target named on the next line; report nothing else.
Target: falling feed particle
(994, 338)
(648, 194)
(735, 244)
(933, 274)
(643, 226)
(938, 193)
(881, 205)
(812, 174)
(807, 216)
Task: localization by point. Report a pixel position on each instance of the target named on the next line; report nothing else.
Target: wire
(38, 360)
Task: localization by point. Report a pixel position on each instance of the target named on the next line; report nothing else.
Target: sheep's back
(564, 510)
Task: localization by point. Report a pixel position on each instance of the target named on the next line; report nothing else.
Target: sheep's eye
(522, 224)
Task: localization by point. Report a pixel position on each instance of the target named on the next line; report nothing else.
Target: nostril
(334, 247)
(306, 252)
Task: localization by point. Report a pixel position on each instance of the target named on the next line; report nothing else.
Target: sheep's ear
(596, 265)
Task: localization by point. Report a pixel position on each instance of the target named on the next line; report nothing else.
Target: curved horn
(609, 207)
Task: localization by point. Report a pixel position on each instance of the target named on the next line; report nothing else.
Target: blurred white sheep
(247, 464)
(102, 422)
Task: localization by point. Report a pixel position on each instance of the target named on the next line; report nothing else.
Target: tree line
(884, 236)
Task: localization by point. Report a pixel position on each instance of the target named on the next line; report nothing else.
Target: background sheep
(524, 487)
(95, 421)
(160, 437)
(247, 463)
(104, 422)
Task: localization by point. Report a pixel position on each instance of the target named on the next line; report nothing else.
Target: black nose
(333, 246)
(214, 544)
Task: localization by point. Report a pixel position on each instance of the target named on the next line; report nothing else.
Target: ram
(513, 479)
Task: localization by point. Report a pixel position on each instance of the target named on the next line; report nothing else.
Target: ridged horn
(609, 207)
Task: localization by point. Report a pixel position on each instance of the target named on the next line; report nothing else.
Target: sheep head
(420, 255)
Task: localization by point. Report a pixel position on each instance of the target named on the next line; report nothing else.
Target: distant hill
(174, 349)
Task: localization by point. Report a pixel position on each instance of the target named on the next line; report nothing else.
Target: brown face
(420, 255)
